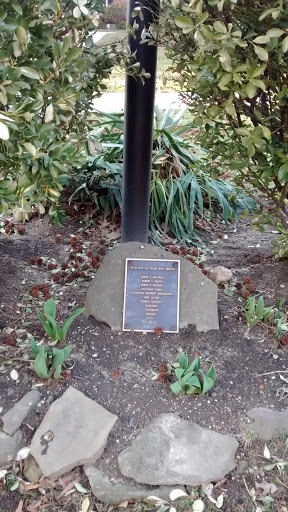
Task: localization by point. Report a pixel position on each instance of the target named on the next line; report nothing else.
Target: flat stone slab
(267, 423)
(116, 493)
(198, 294)
(9, 446)
(13, 419)
(73, 432)
(172, 451)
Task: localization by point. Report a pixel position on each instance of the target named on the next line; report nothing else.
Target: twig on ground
(80, 378)
(18, 359)
(269, 373)
(250, 497)
(280, 482)
(142, 373)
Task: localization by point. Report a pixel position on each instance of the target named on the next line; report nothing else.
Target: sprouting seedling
(49, 323)
(48, 361)
(191, 378)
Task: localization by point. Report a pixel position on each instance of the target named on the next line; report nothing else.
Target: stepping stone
(115, 493)
(13, 419)
(9, 446)
(198, 294)
(73, 432)
(267, 423)
(171, 451)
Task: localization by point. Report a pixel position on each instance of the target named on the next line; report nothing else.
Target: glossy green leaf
(4, 132)
(179, 372)
(211, 373)
(50, 307)
(35, 348)
(183, 360)
(194, 381)
(30, 148)
(184, 22)
(46, 325)
(207, 384)
(176, 387)
(17, 8)
(40, 364)
(69, 321)
(285, 44)
(30, 72)
(261, 53)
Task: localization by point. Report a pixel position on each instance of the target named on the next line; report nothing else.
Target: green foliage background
(232, 58)
(50, 71)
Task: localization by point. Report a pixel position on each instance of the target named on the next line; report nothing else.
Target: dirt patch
(115, 368)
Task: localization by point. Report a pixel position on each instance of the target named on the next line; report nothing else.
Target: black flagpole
(138, 132)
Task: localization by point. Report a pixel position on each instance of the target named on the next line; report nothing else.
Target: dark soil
(115, 368)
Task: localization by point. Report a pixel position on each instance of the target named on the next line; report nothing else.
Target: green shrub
(50, 71)
(256, 312)
(121, 25)
(115, 12)
(231, 57)
(183, 193)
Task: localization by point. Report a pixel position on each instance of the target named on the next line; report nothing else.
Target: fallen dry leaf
(28, 487)
(64, 480)
(124, 504)
(220, 483)
(20, 506)
(33, 506)
(66, 489)
(85, 505)
(267, 487)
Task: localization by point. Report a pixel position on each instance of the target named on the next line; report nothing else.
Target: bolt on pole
(138, 131)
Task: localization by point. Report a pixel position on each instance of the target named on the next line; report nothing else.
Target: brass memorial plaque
(151, 295)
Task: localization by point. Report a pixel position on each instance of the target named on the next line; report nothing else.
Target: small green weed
(53, 330)
(48, 361)
(256, 311)
(190, 378)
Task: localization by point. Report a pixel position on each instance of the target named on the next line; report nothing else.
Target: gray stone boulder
(198, 294)
(13, 419)
(267, 423)
(73, 432)
(9, 446)
(172, 451)
(114, 493)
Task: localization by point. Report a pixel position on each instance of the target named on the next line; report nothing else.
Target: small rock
(73, 432)
(267, 422)
(9, 446)
(32, 471)
(13, 419)
(115, 493)
(221, 275)
(10, 391)
(242, 467)
(172, 451)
